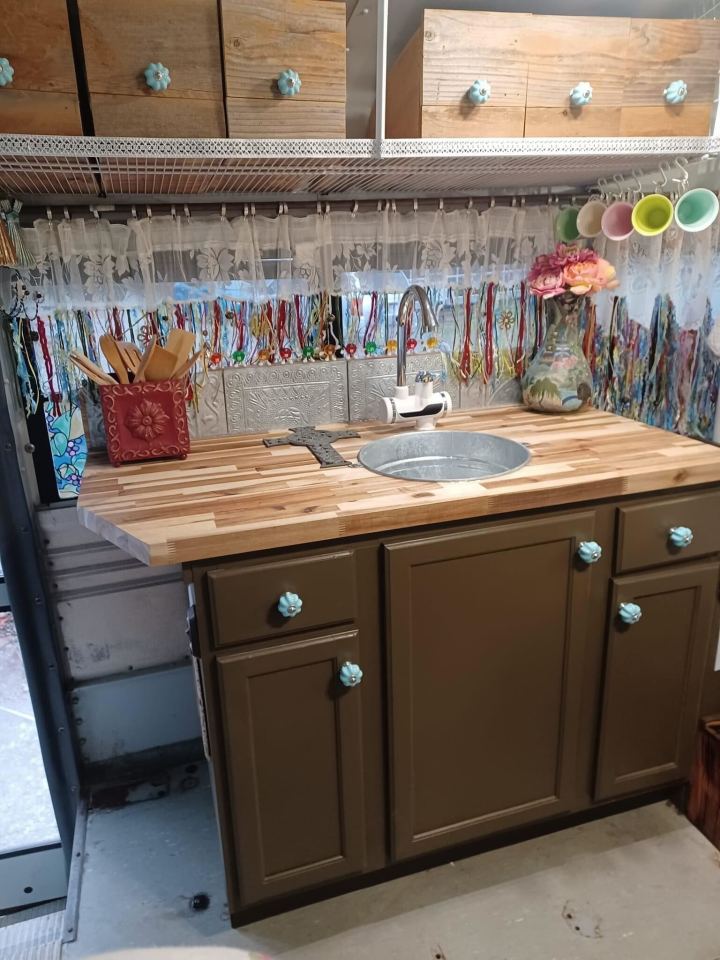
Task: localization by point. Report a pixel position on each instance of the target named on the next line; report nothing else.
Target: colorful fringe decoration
(10, 212)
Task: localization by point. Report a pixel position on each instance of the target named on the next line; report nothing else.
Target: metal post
(381, 68)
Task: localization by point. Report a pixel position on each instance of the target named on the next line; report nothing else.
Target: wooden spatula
(161, 365)
(180, 342)
(146, 358)
(109, 347)
(90, 369)
(130, 354)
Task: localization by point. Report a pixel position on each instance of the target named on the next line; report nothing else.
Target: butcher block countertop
(234, 495)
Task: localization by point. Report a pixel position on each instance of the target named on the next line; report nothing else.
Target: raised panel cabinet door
(293, 756)
(653, 678)
(486, 633)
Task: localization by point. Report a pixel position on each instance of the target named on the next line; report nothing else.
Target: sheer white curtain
(93, 263)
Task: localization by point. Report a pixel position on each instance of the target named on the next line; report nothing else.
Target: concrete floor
(642, 885)
(26, 813)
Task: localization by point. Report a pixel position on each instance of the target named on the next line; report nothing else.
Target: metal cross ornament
(318, 442)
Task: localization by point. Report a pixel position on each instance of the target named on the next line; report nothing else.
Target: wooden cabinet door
(293, 754)
(653, 678)
(486, 632)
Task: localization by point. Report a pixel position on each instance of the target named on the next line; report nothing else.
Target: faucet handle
(425, 376)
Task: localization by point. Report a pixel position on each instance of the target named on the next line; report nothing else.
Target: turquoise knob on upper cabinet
(289, 604)
(680, 536)
(629, 612)
(157, 76)
(350, 674)
(479, 92)
(581, 94)
(589, 551)
(7, 72)
(289, 83)
(675, 92)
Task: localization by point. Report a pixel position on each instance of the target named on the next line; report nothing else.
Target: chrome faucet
(414, 293)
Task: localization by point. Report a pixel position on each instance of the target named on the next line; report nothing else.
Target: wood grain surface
(36, 41)
(154, 115)
(233, 495)
(39, 111)
(284, 117)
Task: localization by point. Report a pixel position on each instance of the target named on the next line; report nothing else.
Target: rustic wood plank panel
(404, 92)
(664, 120)
(36, 40)
(660, 51)
(284, 117)
(37, 111)
(261, 39)
(121, 39)
(234, 495)
(162, 117)
(467, 120)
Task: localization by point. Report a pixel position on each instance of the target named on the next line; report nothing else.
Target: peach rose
(547, 285)
(589, 277)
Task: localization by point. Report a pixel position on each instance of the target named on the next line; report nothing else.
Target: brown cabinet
(294, 760)
(42, 97)
(261, 40)
(121, 39)
(653, 678)
(486, 633)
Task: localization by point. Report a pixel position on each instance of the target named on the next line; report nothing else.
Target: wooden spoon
(90, 369)
(161, 365)
(146, 357)
(130, 354)
(109, 347)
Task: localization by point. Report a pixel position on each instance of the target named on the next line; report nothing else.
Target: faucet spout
(413, 294)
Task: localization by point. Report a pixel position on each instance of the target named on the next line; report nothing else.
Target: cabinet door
(486, 635)
(293, 753)
(653, 678)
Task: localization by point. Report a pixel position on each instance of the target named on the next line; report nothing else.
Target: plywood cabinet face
(484, 681)
(42, 97)
(294, 758)
(260, 41)
(121, 39)
(653, 678)
(659, 52)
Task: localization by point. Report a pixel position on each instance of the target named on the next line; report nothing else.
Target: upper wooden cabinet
(42, 98)
(261, 40)
(486, 632)
(120, 40)
(529, 65)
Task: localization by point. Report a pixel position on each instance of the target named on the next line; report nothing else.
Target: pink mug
(616, 222)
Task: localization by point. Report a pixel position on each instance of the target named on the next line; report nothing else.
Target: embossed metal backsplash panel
(207, 415)
(290, 395)
(373, 378)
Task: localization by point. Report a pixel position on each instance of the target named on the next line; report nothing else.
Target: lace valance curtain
(146, 262)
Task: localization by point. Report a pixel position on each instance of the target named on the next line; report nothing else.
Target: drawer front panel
(659, 52)
(34, 111)
(261, 39)
(36, 41)
(566, 51)
(163, 117)
(644, 530)
(244, 598)
(284, 117)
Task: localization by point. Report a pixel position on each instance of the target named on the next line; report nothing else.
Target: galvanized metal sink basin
(443, 455)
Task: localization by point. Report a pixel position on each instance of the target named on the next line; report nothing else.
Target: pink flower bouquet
(570, 269)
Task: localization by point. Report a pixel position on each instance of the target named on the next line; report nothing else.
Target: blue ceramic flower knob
(157, 76)
(675, 92)
(581, 94)
(350, 674)
(7, 72)
(289, 83)
(479, 92)
(680, 536)
(289, 604)
(629, 612)
(589, 551)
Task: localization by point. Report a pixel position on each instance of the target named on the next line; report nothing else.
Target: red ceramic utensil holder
(145, 421)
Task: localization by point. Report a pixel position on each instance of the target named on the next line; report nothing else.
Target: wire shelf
(52, 169)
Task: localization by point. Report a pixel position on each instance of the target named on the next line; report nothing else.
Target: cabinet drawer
(121, 39)
(644, 530)
(659, 52)
(244, 598)
(42, 97)
(565, 51)
(260, 41)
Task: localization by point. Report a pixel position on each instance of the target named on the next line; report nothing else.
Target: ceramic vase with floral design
(559, 379)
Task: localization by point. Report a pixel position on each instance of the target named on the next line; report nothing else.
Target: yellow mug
(652, 215)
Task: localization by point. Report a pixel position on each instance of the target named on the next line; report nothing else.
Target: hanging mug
(589, 219)
(652, 215)
(566, 225)
(697, 210)
(617, 222)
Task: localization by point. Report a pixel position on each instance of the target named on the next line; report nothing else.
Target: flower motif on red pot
(147, 420)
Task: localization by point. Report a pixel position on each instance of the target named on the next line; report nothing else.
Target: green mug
(566, 228)
(652, 215)
(697, 210)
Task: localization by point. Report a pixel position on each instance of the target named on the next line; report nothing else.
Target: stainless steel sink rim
(441, 456)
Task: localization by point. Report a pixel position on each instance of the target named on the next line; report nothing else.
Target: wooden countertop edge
(315, 530)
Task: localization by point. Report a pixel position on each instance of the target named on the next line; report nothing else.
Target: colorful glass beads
(350, 350)
(285, 354)
(238, 356)
(370, 348)
(412, 343)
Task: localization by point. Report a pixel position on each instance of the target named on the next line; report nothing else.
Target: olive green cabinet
(653, 678)
(486, 633)
(293, 746)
